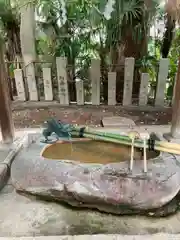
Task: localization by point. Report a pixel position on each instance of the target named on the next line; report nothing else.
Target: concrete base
(100, 237)
(9, 151)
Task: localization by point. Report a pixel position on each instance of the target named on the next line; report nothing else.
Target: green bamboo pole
(128, 143)
(160, 144)
(108, 139)
(104, 134)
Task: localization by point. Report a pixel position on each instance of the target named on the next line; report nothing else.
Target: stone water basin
(93, 174)
(91, 151)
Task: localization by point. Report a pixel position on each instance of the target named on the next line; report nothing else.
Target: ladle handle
(145, 157)
(132, 155)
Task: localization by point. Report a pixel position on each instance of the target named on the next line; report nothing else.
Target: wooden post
(6, 122)
(175, 127)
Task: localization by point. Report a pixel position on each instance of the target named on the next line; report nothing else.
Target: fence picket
(161, 84)
(95, 75)
(18, 74)
(48, 93)
(112, 88)
(80, 92)
(128, 81)
(31, 82)
(143, 93)
(61, 64)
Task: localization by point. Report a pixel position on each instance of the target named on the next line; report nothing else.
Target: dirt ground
(33, 115)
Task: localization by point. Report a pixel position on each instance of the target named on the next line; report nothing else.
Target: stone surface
(28, 216)
(109, 188)
(115, 121)
(4, 174)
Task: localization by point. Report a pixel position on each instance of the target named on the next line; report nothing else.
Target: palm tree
(127, 35)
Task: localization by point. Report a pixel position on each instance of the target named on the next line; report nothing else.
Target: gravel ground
(34, 115)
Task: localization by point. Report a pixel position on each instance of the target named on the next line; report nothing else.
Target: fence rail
(31, 91)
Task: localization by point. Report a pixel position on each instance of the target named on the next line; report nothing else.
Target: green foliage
(88, 34)
(173, 57)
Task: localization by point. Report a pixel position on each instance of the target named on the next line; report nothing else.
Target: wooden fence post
(61, 64)
(112, 88)
(128, 81)
(95, 79)
(161, 84)
(48, 93)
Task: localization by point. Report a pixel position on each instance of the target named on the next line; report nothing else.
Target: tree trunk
(168, 36)
(27, 36)
(71, 79)
(27, 33)
(6, 122)
(104, 73)
(13, 52)
(175, 127)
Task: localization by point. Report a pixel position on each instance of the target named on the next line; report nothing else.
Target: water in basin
(93, 152)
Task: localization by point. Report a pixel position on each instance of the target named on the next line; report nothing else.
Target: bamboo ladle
(144, 136)
(132, 135)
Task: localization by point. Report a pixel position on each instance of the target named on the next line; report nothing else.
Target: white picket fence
(95, 75)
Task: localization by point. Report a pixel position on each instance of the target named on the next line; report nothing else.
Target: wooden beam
(6, 122)
(175, 127)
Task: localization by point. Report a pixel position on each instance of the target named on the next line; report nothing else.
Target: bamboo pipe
(136, 143)
(162, 144)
